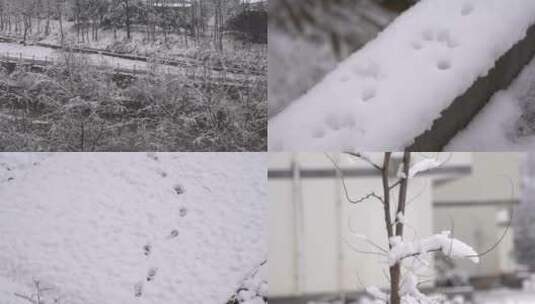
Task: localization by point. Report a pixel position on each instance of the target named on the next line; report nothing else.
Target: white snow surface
(495, 127)
(95, 227)
(391, 91)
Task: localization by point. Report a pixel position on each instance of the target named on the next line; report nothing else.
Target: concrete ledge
(461, 112)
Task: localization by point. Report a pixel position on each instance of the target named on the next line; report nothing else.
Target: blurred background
(316, 254)
(307, 38)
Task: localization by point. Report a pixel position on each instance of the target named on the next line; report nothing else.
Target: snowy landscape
(133, 75)
(430, 74)
(413, 232)
(132, 228)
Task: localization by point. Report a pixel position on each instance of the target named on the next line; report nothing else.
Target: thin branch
(26, 298)
(367, 240)
(366, 159)
(506, 228)
(344, 186)
(354, 248)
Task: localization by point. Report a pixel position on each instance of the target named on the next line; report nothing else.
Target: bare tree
(399, 249)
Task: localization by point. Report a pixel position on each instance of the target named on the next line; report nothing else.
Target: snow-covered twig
(436, 243)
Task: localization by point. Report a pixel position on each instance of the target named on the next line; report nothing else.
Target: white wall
(474, 203)
(329, 263)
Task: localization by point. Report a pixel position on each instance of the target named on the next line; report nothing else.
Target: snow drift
(131, 228)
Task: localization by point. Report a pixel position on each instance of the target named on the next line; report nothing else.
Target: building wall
(476, 207)
(329, 263)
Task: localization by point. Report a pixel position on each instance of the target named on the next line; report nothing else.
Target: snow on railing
(399, 85)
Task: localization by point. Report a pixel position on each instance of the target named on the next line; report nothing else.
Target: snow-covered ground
(390, 91)
(504, 297)
(507, 123)
(132, 227)
(49, 54)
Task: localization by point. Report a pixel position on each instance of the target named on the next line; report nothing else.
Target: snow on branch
(438, 242)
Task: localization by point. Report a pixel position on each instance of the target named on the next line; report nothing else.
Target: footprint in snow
(138, 289)
(152, 156)
(179, 189)
(183, 212)
(441, 39)
(467, 9)
(173, 234)
(147, 249)
(151, 274)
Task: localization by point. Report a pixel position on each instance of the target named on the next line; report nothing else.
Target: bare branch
(354, 248)
(26, 298)
(366, 159)
(346, 191)
(507, 228)
(367, 240)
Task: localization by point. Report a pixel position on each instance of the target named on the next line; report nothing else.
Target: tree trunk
(395, 270)
(127, 12)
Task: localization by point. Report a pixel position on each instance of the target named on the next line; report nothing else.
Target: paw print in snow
(152, 156)
(179, 189)
(138, 289)
(173, 234)
(442, 41)
(183, 212)
(151, 274)
(147, 249)
(162, 173)
(467, 9)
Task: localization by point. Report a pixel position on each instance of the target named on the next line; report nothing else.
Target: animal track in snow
(368, 94)
(443, 37)
(337, 122)
(138, 289)
(179, 189)
(151, 274)
(153, 156)
(162, 173)
(173, 234)
(467, 9)
(147, 249)
(444, 64)
(183, 212)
